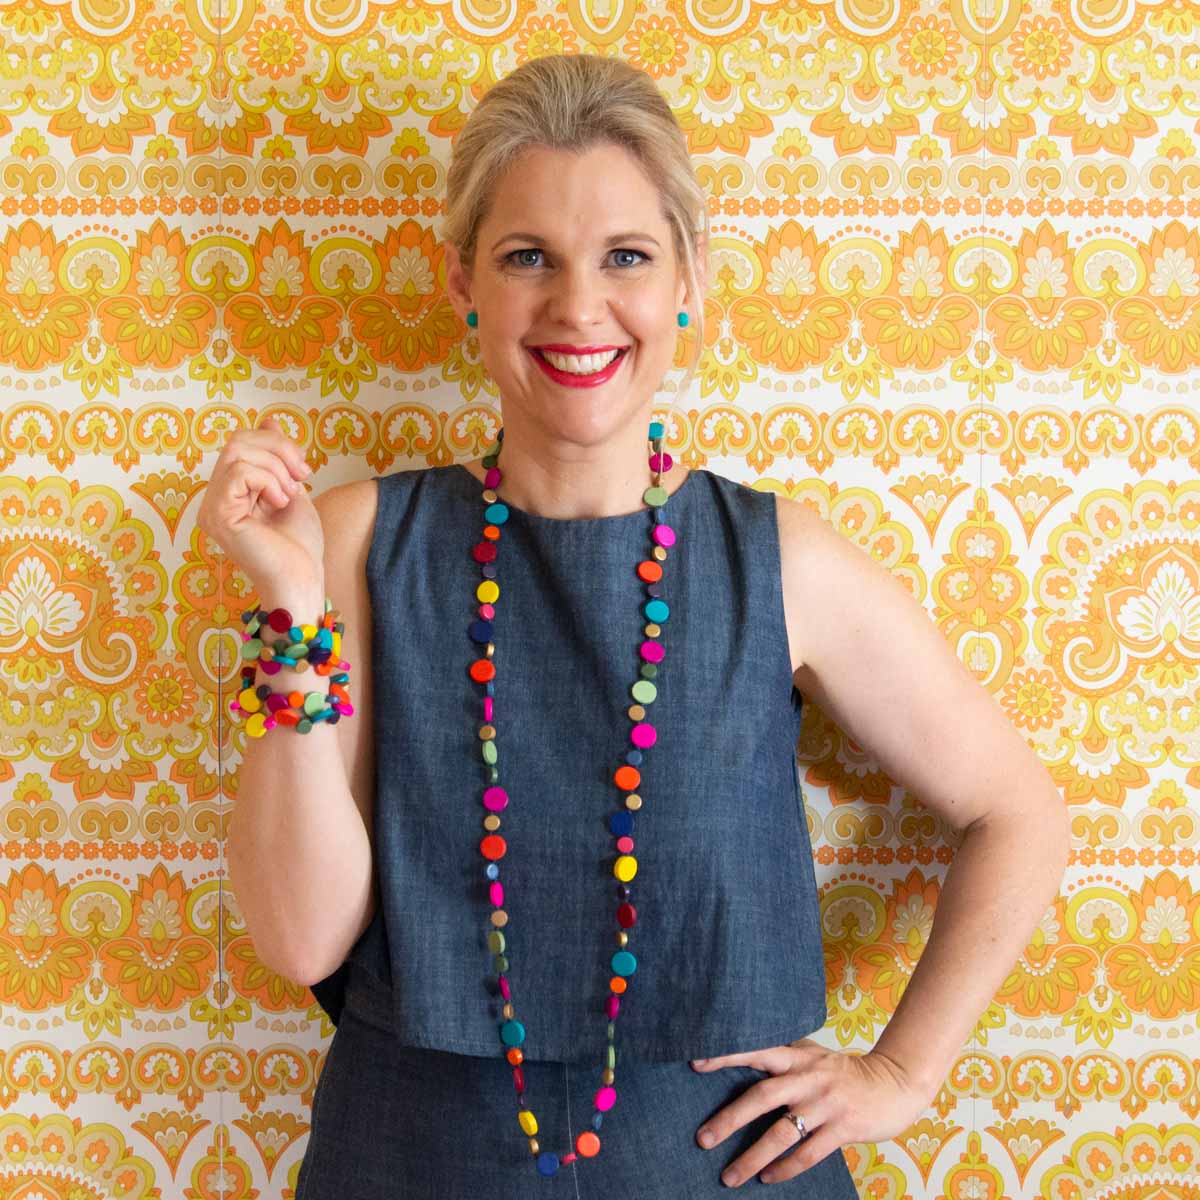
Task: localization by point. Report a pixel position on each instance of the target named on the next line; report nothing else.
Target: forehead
(575, 193)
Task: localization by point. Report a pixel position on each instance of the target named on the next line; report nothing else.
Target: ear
(458, 282)
(701, 273)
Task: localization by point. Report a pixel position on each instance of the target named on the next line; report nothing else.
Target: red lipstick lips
(579, 381)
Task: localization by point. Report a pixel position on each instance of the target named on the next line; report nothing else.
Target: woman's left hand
(842, 1097)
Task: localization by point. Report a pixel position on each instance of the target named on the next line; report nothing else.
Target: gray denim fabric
(391, 1122)
(728, 937)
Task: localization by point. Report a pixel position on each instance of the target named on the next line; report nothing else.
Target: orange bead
(588, 1144)
(491, 532)
(493, 846)
(515, 1055)
(617, 984)
(627, 778)
(483, 669)
(340, 692)
(287, 716)
(651, 572)
(295, 699)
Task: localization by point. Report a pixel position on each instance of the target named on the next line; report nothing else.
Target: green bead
(612, 1030)
(314, 702)
(610, 1057)
(655, 496)
(304, 725)
(252, 648)
(648, 670)
(493, 775)
(500, 964)
(489, 752)
(644, 691)
(488, 460)
(296, 650)
(656, 429)
(496, 941)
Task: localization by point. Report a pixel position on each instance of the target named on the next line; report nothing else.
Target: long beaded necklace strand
(642, 735)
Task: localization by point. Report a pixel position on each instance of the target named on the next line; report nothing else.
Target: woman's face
(574, 252)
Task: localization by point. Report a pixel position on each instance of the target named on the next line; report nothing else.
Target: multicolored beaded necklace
(493, 847)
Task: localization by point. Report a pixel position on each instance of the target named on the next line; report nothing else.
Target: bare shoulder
(347, 513)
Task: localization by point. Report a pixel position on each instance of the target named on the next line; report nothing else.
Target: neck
(579, 482)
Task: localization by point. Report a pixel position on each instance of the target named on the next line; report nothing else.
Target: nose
(578, 297)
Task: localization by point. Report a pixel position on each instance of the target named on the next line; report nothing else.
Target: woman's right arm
(299, 846)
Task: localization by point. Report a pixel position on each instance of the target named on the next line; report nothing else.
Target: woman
(648, 898)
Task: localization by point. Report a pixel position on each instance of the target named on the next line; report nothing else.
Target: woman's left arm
(876, 663)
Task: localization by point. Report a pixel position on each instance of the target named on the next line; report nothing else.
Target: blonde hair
(573, 102)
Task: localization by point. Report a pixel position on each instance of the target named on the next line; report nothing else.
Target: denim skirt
(393, 1122)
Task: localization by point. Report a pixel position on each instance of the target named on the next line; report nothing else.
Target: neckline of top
(537, 519)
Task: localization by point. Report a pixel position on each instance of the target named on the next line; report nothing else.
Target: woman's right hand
(256, 509)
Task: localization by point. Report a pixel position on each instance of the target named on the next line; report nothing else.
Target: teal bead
(325, 638)
(489, 752)
(296, 633)
(624, 963)
(472, 318)
(291, 662)
(512, 1033)
(657, 610)
(682, 318)
(496, 514)
(656, 429)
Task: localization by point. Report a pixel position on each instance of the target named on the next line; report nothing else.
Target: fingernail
(699, 1062)
(729, 1179)
(293, 485)
(707, 1138)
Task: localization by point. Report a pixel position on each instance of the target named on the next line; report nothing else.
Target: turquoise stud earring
(472, 318)
(682, 319)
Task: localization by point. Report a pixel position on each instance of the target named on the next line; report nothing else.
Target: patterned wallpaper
(955, 306)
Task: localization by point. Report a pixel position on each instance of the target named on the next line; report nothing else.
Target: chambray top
(728, 935)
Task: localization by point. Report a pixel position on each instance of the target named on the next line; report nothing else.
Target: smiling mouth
(562, 375)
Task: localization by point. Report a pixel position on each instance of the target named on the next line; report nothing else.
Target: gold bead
(533, 1145)
(499, 918)
(636, 712)
(489, 494)
(509, 1012)
(607, 1076)
(491, 822)
(653, 630)
(266, 654)
(633, 802)
(622, 938)
(491, 649)
(487, 732)
(660, 553)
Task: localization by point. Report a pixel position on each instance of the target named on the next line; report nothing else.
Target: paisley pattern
(954, 306)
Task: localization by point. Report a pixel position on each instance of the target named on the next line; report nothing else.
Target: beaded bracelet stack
(302, 646)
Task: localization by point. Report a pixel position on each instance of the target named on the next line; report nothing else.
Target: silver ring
(797, 1120)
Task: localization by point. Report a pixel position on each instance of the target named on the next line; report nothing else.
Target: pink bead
(625, 844)
(492, 477)
(234, 706)
(606, 1097)
(496, 893)
(664, 535)
(270, 667)
(568, 1158)
(487, 708)
(642, 735)
(245, 636)
(661, 462)
(276, 702)
(347, 710)
(495, 799)
(612, 1006)
(505, 990)
(270, 723)
(652, 651)
(487, 611)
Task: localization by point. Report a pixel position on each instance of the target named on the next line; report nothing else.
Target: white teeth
(579, 364)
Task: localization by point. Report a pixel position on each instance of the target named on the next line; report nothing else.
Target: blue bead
(493, 871)
(656, 429)
(633, 757)
(654, 589)
(489, 688)
(621, 824)
(657, 610)
(597, 1120)
(660, 514)
(496, 514)
(481, 632)
(547, 1163)
(488, 570)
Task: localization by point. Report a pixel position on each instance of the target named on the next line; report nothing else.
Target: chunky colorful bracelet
(318, 646)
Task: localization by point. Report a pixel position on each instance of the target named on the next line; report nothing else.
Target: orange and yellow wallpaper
(955, 305)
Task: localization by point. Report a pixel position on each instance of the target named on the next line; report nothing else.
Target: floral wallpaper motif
(955, 306)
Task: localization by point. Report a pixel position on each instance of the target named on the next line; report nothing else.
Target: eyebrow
(631, 236)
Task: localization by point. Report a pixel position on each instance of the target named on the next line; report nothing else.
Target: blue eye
(534, 250)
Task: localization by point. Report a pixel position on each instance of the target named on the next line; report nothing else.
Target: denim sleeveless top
(728, 934)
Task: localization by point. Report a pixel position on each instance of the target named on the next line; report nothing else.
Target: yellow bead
(528, 1121)
(249, 700)
(337, 645)
(633, 802)
(653, 630)
(659, 553)
(488, 592)
(625, 868)
(256, 724)
(622, 938)
(308, 632)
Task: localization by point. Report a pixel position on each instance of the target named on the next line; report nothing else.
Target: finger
(770, 1058)
(780, 1137)
(759, 1098)
(275, 439)
(252, 483)
(266, 460)
(818, 1145)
